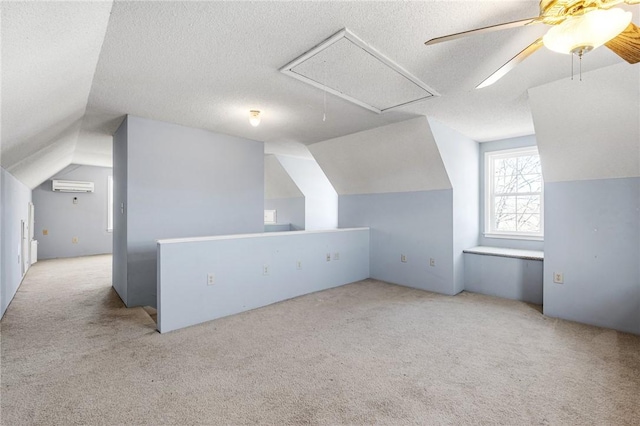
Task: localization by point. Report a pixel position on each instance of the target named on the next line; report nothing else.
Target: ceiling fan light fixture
(254, 117)
(579, 34)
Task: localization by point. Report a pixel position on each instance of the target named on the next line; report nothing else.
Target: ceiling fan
(578, 27)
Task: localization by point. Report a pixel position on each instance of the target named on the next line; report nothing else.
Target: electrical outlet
(403, 258)
(558, 277)
(336, 256)
(265, 270)
(211, 279)
(74, 240)
(432, 262)
(328, 257)
(299, 264)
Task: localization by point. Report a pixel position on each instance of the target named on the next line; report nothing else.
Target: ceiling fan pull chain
(580, 65)
(571, 66)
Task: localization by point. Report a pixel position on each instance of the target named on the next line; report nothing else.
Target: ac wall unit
(71, 186)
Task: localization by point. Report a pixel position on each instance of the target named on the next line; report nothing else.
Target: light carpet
(364, 353)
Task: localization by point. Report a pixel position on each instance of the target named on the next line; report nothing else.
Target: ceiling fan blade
(511, 64)
(627, 44)
(506, 25)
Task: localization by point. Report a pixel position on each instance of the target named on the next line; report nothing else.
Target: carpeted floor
(365, 353)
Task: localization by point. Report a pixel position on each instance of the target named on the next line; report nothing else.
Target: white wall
(296, 264)
(14, 208)
(64, 220)
(320, 198)
(277, 182)
(460, 157)
(183, 182)
(283, 195)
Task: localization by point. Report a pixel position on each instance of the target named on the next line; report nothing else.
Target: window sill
(506, 252)
(515, 237)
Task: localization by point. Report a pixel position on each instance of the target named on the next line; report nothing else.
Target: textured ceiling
(399, 157)
(574, 137)
(361, 74)
(49, 55)
(72, 70)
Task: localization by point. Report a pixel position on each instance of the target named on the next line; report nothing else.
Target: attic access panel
(347, 67)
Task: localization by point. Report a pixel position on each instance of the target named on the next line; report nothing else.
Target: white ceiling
(578, 141)
(72, 70)
(400, 157)
(350, 67)
(49, 55)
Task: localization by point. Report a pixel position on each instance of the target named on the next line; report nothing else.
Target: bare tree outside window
(515, 198)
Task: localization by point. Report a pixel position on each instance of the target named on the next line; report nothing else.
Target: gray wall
(416, 224)
(86, 220)
(499, 145)
(296, 264)
(588, 135)
(14, 208)
(592, 236)
(183, 182)
(289, 210)
(508, 277)
(393, 180)
(2, 238)
(120, 165)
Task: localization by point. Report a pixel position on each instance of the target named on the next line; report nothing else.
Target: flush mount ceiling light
(346, 66)
(579, 34)
(254, 117)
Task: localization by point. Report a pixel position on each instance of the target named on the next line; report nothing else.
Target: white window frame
(489, 197)
(110, 204)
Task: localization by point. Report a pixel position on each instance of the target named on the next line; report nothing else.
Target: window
(514, 194)
(110, 204)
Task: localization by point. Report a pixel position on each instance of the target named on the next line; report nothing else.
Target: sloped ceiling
(320, 198)
(580, 139)
(399, 157)
(49, 55)
(72, 70)
(277, 182)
